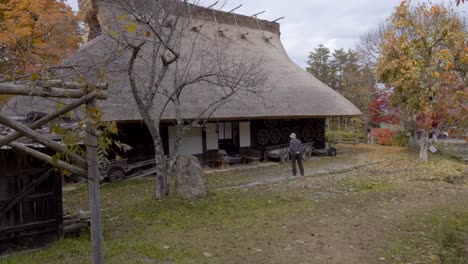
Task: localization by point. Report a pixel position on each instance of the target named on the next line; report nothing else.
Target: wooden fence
(30, 207)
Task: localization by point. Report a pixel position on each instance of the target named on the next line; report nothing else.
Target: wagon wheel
(270, 123)
(320, 132)
(116, 174)
(317, 133)
(285, 132)
(308, 133)
(306, 152)
(275, 135)
(262, 137)
(284, 157)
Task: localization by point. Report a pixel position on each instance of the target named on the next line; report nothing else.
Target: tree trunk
(163, 167)
(162, 172)
(410, 125)
(424, 145)
(413, 140)
(162, 186)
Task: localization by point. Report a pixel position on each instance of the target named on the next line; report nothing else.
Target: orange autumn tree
(34, 35)
(425, 58)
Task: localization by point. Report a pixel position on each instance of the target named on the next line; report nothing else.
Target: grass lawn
(139, 229)
(292, 221)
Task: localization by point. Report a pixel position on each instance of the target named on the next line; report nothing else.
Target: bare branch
(169, 62)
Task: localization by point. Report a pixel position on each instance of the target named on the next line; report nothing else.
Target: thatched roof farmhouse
(295, 100)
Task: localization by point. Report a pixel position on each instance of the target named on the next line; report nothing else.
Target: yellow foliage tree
(425, 60)
(35, 34)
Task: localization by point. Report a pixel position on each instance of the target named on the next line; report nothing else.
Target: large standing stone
(189, 178)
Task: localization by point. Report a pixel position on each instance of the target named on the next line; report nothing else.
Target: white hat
(293, 135)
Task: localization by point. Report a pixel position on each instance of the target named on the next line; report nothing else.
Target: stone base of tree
(189, 178)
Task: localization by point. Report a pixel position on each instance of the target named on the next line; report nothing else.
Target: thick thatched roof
(289, 90)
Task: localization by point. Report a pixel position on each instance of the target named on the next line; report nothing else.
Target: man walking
(295, 149)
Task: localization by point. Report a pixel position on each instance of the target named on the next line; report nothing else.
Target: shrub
(383, 135)
(400, 139)
(341, 134)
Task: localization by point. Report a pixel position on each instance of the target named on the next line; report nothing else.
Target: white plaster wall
(191, 142)
(211, 136)
(244, 134)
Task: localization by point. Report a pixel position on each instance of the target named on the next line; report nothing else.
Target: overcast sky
(308, 23)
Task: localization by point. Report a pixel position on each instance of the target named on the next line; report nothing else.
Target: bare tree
(369, 47)
(171, 58)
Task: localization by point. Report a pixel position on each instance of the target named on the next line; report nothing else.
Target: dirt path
(318, 171)
(349, 225)
(350, 209)
(354, 227)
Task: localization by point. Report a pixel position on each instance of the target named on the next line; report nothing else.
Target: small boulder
(189, 178)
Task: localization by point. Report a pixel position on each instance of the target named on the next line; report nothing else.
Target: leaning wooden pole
(20, 89)
(93, 189)
(24, 130)
(46, 158)
(50, 117)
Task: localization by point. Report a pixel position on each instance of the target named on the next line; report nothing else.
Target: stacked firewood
(73, 224)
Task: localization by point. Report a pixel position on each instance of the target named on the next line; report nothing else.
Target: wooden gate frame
(20, 196)
(86, 94)
(37, 227)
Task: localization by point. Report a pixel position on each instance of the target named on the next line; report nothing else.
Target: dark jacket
(295, 146)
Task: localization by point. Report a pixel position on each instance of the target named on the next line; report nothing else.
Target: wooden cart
(117, 170)
(281, 152)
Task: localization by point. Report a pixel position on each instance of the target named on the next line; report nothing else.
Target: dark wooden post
(204, 143)
(93, 188)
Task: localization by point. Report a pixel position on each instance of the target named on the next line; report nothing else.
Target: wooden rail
(353, 141)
